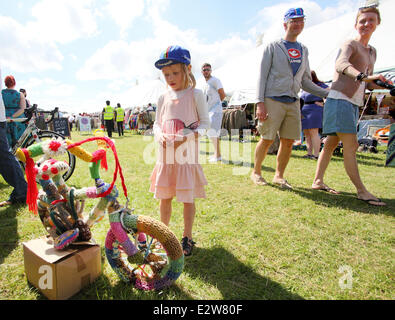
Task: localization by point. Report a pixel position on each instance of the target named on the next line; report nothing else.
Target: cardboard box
(60, 274)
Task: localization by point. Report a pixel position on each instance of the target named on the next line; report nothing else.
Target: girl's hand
(162, 140)
(179, 141)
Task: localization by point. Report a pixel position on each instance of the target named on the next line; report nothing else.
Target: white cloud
(22, 53)
(63, 21)
(124, 12)
(49, 87)
(135, 60)
(33, 46)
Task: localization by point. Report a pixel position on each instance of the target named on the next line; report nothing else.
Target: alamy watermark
(346, 280)
(46, 280)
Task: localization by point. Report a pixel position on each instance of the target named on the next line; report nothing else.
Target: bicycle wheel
(69, 157)
(154, 265)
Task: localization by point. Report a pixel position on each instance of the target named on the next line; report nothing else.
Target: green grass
(252, 242)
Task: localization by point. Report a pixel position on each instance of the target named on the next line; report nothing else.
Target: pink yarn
(91, 193)
(119, 232)
(142, 237)
(110, 240)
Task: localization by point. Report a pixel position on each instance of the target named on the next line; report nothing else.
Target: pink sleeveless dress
(177, 172)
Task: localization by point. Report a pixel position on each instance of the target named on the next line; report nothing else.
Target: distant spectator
(71, 121)
(120, 117)
(312, 112)
(215, 94)
(108, 116)
(15, 104)
(25, 94)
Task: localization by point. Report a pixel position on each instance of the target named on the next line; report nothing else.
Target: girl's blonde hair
(369, 9)
(189, 78)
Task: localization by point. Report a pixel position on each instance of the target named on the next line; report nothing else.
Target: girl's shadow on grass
(346, 200)
(235, 280)
(215, 266)
(103, 289)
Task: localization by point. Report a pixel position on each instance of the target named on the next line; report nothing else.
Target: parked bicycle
(33, 134)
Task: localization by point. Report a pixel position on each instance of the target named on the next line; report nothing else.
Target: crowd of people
(185, 113)
(283, 73)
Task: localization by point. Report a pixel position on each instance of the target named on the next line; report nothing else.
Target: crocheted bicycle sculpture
(154, 259)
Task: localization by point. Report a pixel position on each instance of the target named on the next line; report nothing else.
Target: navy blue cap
(173, 55)
(294, 13)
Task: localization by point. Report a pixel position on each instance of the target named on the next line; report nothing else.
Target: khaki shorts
(283, 118)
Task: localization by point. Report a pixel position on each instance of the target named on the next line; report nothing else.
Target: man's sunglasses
(204, 70)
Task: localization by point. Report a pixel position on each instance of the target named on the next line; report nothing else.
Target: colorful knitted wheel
(156, 264)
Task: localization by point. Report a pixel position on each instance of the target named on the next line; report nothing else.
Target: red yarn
(58, 201)
(55, 145)
(32, 191)
(103, 163)
(100, 155)
(110, 143)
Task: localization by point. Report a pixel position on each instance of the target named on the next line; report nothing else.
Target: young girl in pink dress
(181, 116)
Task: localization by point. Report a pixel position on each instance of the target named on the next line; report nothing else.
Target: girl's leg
(216, 143)
(330, 145)
(165, 210)
(350, 146)
(189, 218)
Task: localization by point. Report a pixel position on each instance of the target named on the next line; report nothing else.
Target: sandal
(187, 246)
(283, 184)
(310, 156)
(374, 202)
(324, 187)
(258, 180)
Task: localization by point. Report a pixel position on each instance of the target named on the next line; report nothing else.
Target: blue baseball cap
(294, 13)
(173, 55)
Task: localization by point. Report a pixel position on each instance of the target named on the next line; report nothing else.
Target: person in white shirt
(9, 166)
(214, 93)
(71, 121)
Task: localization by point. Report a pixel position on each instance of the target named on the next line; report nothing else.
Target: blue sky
(75, 54)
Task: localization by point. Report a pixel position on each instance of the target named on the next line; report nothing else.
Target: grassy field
(252, 242)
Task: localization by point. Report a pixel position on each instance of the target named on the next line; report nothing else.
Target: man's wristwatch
(361, 76)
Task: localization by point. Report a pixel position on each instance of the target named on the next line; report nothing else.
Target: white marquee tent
(145, 93)
(240, 75)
